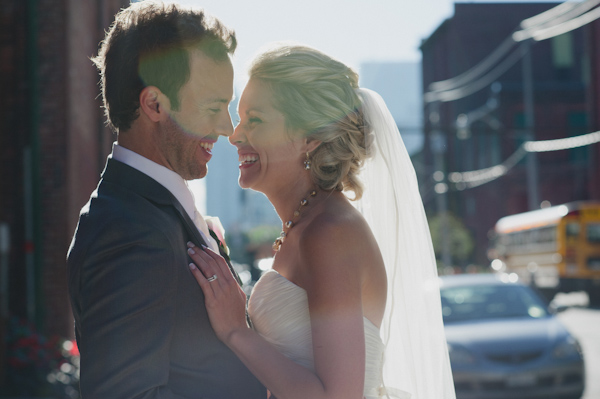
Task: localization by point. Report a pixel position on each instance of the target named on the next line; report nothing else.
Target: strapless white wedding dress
(278, 310)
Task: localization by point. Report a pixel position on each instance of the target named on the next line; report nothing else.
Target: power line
(573, 13)
(475, 71)
(475, 178)
(562, 144)
(486, 80)
(548, 15)
(556, 21)
(567, 26)
(528, 24)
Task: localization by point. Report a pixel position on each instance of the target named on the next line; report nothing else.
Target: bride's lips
(247, 159)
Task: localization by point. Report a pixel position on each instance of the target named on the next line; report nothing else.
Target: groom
(140, 319)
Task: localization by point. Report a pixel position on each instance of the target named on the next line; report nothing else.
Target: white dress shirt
(169, 180)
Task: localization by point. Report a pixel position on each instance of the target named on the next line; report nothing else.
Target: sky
(349, 30)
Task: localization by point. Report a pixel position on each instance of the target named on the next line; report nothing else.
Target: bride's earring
(307, 162)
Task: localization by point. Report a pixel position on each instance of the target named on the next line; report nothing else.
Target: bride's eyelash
(247, 122)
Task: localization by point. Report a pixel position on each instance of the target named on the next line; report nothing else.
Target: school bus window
(547, 234)
(572, 229)
(593, 232)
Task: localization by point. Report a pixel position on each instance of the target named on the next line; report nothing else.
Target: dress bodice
(279, 312)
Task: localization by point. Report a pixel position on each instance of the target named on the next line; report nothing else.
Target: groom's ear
(154, 104)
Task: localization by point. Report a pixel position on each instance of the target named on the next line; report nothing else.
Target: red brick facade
(592, 40)
(49, 108)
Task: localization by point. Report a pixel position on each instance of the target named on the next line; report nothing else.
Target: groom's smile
(208, 146)
(205, 147)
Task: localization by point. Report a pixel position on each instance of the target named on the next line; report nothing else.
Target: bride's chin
(244, 181)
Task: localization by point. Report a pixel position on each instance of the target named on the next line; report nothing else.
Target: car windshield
(478, 302)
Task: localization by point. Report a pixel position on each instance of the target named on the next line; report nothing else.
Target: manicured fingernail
(192, 266)
(190, 244)
(191, 251)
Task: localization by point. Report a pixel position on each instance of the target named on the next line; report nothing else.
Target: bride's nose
(238, 135)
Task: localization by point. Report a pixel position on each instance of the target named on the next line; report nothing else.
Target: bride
(351, 308)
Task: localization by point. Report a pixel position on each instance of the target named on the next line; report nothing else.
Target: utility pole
(529, 113)
(438, 147)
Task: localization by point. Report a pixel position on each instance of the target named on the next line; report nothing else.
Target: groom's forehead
(210, 79)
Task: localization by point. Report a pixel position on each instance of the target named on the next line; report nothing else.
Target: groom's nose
(224, 126)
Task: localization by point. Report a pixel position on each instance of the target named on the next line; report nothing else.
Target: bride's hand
(224, 299)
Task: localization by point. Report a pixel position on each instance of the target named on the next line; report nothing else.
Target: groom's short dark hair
(147, 45)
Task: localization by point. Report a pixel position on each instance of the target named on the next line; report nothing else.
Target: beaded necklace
(290, 223)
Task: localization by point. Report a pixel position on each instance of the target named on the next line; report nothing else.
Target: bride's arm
(332, 258)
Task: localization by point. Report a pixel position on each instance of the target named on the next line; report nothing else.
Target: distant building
(485, 128)
(400, 85)
(592, 46)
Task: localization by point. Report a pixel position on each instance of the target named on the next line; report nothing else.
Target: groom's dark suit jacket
(140, 321)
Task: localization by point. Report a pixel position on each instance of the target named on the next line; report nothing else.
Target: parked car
(504, 342)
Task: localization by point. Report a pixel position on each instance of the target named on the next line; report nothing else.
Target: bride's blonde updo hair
(317, 95)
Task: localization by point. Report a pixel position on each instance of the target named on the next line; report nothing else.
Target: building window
(483, 150)
(562, 51)
(562, 55)
(496, 153)
(468, 154)
(520, 135)
(577, 125)
(471, 206)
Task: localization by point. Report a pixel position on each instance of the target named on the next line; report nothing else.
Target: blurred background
(497, 103)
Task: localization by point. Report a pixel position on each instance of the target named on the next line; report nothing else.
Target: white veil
(416, 356)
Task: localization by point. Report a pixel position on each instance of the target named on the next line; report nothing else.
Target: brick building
(592, 43)
(53, 145)
(486, 127)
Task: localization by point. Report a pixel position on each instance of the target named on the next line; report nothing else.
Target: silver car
(505, 343)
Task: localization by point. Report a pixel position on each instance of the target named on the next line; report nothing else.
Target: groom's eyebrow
(218, 100)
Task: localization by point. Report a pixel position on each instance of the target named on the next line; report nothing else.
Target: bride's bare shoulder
(337, 235)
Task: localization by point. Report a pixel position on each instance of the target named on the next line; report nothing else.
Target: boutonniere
(217, 232)
(215, 226)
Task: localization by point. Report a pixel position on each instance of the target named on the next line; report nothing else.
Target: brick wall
(593, 46)
(73, 142)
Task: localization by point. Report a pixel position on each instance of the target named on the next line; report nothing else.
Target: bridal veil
(416, 356)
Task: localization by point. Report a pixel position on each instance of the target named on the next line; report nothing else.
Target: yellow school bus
(556, 248)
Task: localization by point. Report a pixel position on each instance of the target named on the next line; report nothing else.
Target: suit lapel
(225, 256)
(119, 173)
(132, 179)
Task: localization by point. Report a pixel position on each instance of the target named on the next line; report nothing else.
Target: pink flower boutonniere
(215, 225)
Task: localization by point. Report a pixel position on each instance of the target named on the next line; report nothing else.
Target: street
(584, 323)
